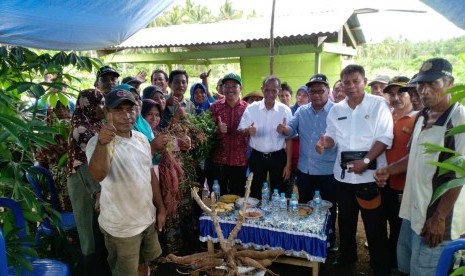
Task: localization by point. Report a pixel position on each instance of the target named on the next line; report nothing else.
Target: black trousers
(262, 164)
(391, 205)
(326, 184)
(375, 229)
(231, 178)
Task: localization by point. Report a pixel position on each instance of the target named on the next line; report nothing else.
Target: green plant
(23, 130)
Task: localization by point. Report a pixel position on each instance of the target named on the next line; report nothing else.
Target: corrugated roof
(296, 29)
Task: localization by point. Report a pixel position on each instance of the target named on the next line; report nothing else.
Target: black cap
(129, 80)
(318, 78)
(410, 84)
(433, 69)
(116, 96)
(106, 70)
(400, 81)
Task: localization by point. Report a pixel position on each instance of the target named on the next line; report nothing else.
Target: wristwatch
(366, 160)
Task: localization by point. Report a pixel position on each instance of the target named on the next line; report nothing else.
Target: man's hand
(287, 172)
(161, 218)
(222, 127)
(381, 176)
(141, 76)
(218, 96)
(252, 130)
(108, 131)
(160, 141)
(356, 166)
(282, 129)
(172, 101)
(320, 145)
(184, 142)
(205, 75)
(433, 230)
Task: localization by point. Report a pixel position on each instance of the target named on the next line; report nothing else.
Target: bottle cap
(283, 195)
(265, 184)
(276, 191)
(215, 181)
(293, 196)
(317, 192)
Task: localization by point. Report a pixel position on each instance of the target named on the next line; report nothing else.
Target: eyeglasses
(235, 86)
(317, 92)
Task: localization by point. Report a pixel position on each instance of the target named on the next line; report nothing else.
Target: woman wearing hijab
(199, 101)
(302, 98)
(85, 123)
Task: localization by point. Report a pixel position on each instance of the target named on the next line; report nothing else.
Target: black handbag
(347, 156)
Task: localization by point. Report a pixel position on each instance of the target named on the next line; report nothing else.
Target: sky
(428, 25)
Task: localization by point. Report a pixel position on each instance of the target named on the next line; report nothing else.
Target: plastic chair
(446, 258)
(67, 218)
(39, 266)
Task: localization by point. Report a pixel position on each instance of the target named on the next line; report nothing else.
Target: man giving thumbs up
(261, 121)
(120, 159)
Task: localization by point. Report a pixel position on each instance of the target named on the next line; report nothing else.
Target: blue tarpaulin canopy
(75, 24)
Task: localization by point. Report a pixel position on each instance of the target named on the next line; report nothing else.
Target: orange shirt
(403, 128)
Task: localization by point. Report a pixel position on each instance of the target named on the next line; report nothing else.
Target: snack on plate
(229, 198)
(222, 207)
(304, 210)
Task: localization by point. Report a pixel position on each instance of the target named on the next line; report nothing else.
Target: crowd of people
(363, 151)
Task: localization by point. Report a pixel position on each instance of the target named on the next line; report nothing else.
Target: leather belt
(267, 154)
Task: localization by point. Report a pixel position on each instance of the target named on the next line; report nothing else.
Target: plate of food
(324, 204)
(304, 210)
(224, 208)
(252, 213)
(251, 202)
(229, 198)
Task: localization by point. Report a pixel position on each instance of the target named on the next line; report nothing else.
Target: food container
(252, 213)
(251, 203)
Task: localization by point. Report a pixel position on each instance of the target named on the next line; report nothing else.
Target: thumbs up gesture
(320, 145)
(108, 131)
(223, 128)
(282, 128)
(252, 130)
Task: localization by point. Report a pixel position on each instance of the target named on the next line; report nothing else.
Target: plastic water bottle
(317, 205)
(283, 206)
(265, 196)
(216, 189)
(294, 207)
(206, 190)
(275, 201)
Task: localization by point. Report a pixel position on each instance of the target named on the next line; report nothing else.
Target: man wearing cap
(253, 96)
(230, 154)
(314, 171)
(411, 88)
(121, 160)
(361, 128)
(404, 116)
(84, 191)
(378, 84)
(134, 82)
(427, 227)
(260, 121)
(140, 124)
(107, 78)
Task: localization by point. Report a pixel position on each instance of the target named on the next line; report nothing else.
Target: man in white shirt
(260, 121)
(121, 160)
(360, 125)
